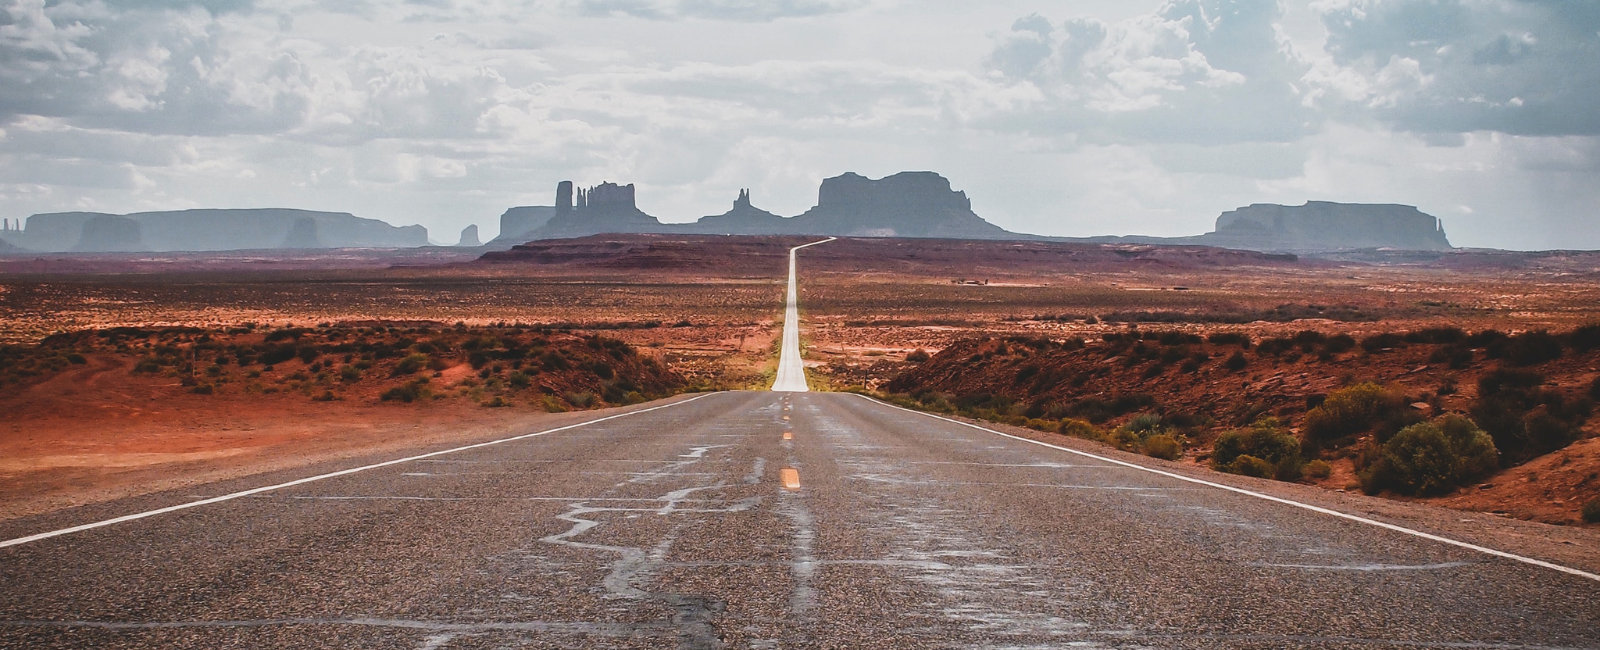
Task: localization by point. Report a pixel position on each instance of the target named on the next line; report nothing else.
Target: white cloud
(1133, 120)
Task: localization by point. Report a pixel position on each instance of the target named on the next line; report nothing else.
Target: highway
(778, 519)
(791, 376)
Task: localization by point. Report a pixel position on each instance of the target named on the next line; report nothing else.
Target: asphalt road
(791, 375)
(673, 528)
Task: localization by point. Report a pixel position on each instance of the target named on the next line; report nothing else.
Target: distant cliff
(1325, 226)
(908, 204)
(210, 230)
(517, 224)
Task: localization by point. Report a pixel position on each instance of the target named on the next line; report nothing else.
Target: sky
(1059, 118)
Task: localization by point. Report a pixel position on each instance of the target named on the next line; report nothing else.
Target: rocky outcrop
(907, 204)
(517, 224)
(604, 208)
(743, 219)
(212, 230)
(1325, 226)
(469, 236)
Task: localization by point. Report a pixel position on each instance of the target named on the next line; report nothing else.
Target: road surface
(672, 528)
(791, 370)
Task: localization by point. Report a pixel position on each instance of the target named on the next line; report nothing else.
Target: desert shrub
(1524, 419)
(1163, 446)
(1380, 342)
(1079, 429)
(519, 380)
(1431, 458)
(1356, 409)
(411, 364)
(203, 389)
(918, 355)
(1531, 348)
(307, 353)
(1025, 373)
(600, 369)
(1265, 441)
(1319, 469)
(286, 334)
(1230, 338)
(1339, 343)
(496, 402)
(553, 405)
(1591, 510)
(1437, 335)
(76, 359)
(1594, 389)
(1247, 465)
(147, 366)
(1584, 338)
(553, 361)
(405, 393)
(580, 400)
(1275, 346)
(277, 354)
(326, 396)
(1236, 362)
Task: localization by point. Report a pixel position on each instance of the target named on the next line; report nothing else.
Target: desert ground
(877, 315)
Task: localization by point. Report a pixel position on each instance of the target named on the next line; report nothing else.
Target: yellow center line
(791, 478)
(788, 435)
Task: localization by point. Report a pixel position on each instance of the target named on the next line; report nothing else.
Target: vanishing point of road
(761, 520)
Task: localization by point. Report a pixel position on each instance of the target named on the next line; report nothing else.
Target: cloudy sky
(1059, 117)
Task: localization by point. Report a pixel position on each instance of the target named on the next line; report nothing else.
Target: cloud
(1192, 71)
(1523, 67)
(728, 10)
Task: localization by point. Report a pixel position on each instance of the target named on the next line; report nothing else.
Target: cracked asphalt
(672, 528)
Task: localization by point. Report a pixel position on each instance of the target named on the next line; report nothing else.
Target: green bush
(1080, 429)
(580, 400)
(1319, 469)
(350, 374)
(1247, 465)
(1236, 362)
(1591, 510)
(1264, 441)
(1525, 419)
(918, 355)
(411, 364)
(1356, 409)
(1163, 446)
(1431, 458)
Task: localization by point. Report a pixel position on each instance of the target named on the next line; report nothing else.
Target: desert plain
(127, 374)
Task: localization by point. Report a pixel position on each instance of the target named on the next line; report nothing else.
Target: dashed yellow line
(791, 478)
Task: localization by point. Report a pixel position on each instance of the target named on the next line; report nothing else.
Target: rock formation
(1325, 226)
(212, 230)
(743, 219)
(469, 236)
(109, 233)
(607, 207)
(907, 204)
(517, 224)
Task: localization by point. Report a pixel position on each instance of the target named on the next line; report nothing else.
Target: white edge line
(227, 497)
(1258, 495)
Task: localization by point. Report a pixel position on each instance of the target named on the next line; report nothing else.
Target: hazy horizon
(1068, 119)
